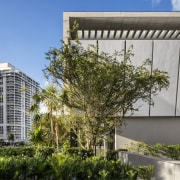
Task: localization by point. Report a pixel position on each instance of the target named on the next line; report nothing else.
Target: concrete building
(154, 35)
(16, 90)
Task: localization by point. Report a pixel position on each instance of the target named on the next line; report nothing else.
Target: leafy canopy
(102, 87)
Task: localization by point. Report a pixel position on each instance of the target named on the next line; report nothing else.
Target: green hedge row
(29, 151)
(66, 167)
(16, 168)
(29, 163)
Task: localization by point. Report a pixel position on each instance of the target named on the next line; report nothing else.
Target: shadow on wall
(150, 130)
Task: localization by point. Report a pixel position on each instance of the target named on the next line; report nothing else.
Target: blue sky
(29, 28)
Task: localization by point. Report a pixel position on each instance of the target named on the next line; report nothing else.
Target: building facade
(16, 90)
(155, 36)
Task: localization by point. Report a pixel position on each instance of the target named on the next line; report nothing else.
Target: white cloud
(175, 5)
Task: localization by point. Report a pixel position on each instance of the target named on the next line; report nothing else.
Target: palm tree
(10, 138)
(50, 97)
(37, 135)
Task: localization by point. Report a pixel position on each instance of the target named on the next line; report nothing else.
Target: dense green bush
(25, 168)
(112, 155)
(76, 151)
(66, 165)
(145, 172)
(18, 151)
(172, 151)
(29, 151)
(93, 168)
(44, 151)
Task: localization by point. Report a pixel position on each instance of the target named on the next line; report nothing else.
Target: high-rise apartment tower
(16, 90)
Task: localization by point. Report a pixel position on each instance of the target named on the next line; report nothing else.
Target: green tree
(37, 135)
(99, 88)
(10, 138)
(50, 98)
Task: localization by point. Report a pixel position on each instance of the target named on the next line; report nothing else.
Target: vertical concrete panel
(166, 58)
(110, 46)
(86, 43)
(178, 93)
(142, 50)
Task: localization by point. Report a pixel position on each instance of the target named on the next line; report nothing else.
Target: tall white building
(16, 90)
(154, 35)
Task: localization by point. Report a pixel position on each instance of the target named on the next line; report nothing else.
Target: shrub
(25, 168)
(27, 151)
(76, 151)
(112, 155)
(68, 167)
(173, 151)
(65, 166)
(17, 151)
(145, 172)
(7, 168)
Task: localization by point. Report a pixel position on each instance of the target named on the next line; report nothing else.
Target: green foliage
(37, 135)
(65, 146)
(25, 168)
(145, 149)
(157, 150)
(93, 168)
(172, 151)
(145, 172)
(17, 151)
(77, 151)
(66, 166)
(10, 137)
(7, 166)
(112, 155)
(47, 151)
(48, 128)
(98, 86)
(27, 151)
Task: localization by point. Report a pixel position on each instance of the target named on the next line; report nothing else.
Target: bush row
(65, 167)
(32, 162)
(29, 151)
(16, 168)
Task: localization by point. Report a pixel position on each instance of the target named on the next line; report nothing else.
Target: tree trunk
(57, 136)
(51, 119)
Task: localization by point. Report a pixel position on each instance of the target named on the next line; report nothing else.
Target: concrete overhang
(123, 25)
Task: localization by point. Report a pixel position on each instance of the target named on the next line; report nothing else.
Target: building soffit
(147, 25)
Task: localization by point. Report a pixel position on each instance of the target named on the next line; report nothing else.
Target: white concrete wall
(152, 124)
(166, 58)
(163, 168)
(144, 46)
(150, 130)
(165, 55)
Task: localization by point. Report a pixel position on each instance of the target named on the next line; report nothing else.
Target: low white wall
(163, 169)
(150, 130)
